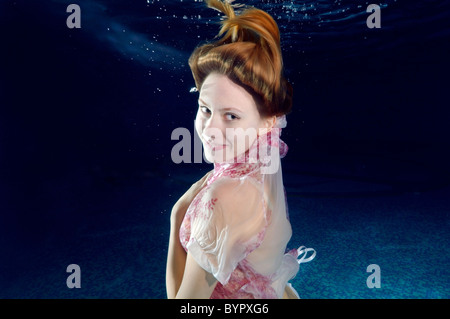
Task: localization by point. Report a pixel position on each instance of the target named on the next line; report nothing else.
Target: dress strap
(302, 252)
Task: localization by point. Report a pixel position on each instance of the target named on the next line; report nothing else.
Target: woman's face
(227, 121)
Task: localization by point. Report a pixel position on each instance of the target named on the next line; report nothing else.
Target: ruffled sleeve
(228, 224)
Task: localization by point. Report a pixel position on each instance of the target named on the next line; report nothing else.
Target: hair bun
(249, 52)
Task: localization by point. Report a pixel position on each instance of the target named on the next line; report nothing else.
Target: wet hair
(249, 53)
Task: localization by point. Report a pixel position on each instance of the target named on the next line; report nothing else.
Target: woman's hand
(181, 206)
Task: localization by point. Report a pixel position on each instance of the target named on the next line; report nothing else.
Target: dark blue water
(86, 116)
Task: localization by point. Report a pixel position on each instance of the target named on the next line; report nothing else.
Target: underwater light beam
(133, 45)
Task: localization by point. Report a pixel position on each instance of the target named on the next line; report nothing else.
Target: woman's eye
(228, 116)
(204, 109)
(231, 117)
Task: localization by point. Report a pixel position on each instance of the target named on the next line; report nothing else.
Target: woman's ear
(268, 124)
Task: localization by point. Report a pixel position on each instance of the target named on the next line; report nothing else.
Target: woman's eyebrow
(203, 102)
(221, 109)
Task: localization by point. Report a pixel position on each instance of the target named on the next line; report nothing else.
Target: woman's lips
(215, 147)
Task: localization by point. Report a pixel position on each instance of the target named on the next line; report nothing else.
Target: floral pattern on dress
(244, 281)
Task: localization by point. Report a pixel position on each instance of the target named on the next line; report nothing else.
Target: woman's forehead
(219, 92)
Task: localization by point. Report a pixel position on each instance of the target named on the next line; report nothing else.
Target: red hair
(249, 54)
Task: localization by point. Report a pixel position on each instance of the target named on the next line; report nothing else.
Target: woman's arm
(176, 256)
(197, 283)
(185, 278)
(176, 260)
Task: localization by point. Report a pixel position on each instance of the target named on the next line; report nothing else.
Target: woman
(229, 231)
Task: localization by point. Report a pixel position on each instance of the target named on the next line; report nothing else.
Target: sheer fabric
(237, 227)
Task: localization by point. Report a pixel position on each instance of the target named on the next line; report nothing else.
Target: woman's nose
(212, 130)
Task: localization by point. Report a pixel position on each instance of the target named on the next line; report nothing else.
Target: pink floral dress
(237, 227)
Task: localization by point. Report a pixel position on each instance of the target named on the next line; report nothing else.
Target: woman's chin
(209, 158)
(217, 156)
(213, 158)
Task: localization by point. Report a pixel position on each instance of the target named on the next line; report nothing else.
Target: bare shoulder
(235, 188)
(234, 195)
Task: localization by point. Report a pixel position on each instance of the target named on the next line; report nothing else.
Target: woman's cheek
(199, 126)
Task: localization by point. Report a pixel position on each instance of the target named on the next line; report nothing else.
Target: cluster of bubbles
(183, 24)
